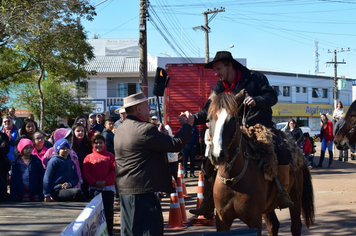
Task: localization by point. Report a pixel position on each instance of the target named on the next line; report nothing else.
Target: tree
(59, 101)
(45, 38)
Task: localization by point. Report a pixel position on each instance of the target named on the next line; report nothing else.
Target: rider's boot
(207, 206)
(282, 182)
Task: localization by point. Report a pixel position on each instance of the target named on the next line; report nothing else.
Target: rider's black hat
(222, 56)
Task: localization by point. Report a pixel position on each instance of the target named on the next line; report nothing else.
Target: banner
(91, 220)
(302, 109)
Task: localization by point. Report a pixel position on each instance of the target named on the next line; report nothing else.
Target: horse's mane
(220, 101)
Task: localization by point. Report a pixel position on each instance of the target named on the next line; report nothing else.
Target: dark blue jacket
(58, 172)
(36, 178)
(109, 140)
(194, 139)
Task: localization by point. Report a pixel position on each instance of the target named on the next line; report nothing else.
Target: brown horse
(241, 190)
(346, 136)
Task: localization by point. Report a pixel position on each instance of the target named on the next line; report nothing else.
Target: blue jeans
(188, 151)
(325, 145)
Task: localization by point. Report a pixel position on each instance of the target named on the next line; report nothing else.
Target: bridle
(232, 181)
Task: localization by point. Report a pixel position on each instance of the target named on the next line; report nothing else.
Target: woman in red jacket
(327, 138)
(99, 171)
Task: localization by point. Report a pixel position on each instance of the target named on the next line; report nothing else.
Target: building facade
(302, 97)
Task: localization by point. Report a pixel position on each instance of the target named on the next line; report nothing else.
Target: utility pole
(143, 46)
(206, 28)
(335, 62)
(316, 54)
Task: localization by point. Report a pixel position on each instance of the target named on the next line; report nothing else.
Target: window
(83, 88)
(298, 89)
(325, 93)
(126, 89)
(286, 91)
(276, 88)
(304, 89)
(315, 93)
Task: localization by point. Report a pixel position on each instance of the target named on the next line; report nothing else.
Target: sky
(277, 35)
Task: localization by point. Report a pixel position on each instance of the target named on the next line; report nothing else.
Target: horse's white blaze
(219, 127)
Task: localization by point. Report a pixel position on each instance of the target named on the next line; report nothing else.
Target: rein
(352, 129)
(232, 181)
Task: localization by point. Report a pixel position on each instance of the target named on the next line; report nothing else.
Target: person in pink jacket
(99, 171)
(67, 134)
(39, 149)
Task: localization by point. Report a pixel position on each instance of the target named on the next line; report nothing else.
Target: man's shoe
(192, 175)
(185, 176)
(204, 209)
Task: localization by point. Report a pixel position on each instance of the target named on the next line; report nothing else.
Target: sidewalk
(37, 218)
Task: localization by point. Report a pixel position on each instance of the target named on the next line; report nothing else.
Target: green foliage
(60, 101)
(43, 37)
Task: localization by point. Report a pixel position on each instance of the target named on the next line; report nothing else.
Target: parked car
(305, 129)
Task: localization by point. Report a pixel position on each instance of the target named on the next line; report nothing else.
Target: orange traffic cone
(200, 196)
(175, 216)
(181, 201)
(201, 220)
(181, 176)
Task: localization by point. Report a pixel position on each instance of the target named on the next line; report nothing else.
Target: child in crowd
(66, 134)
(99, 171)
(27, 174)
(307, 148)
(39, 149)
(61, 176)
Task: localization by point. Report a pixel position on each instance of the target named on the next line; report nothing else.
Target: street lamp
(231, 46)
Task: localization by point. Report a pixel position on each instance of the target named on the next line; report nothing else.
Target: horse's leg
(296, 223)
(272, 223)
(222, 226)
(254, 222)
(296, 210)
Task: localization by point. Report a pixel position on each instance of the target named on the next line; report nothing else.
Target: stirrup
(284, 200)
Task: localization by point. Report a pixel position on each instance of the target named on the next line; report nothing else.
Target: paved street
(335, 203)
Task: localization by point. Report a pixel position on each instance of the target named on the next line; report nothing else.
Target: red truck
(188, 90)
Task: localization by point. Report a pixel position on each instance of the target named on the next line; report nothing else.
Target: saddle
(260, 146)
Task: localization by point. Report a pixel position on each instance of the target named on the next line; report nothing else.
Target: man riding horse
(260, 97)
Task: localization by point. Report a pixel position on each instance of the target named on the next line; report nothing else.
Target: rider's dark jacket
(257, 86)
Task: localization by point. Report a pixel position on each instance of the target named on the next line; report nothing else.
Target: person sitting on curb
(61, 176)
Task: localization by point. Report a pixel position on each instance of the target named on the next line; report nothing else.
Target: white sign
(100, 106)
(91, 220)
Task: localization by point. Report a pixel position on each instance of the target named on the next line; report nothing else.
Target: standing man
(94, 126)
(11, 131)
(260, 97)
(154, 120)
(109, 135)
(142, 167)
(123, 115)
(16, 120)
(189, 152)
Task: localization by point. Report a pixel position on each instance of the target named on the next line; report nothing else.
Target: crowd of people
(330, 125)
(73, 164)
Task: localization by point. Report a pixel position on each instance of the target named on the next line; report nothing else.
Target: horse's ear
(240, 97)
(212, 95)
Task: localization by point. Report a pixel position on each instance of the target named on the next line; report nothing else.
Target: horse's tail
(308, 198)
